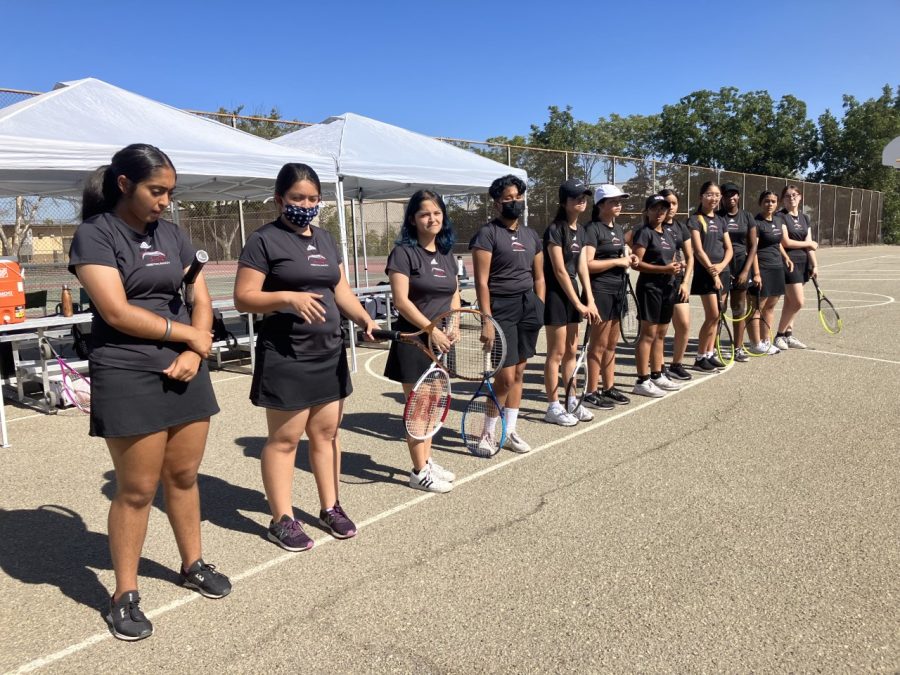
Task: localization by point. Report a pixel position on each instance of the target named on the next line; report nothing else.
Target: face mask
(513, 210)
(300, 216)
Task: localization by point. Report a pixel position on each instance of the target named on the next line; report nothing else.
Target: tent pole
(362, 226)
(250, 316)
(355, 247)
(342, 223)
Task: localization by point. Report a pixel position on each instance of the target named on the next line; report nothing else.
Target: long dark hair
(408, 234)
(561, 220)
(136, 162)
(703, 188)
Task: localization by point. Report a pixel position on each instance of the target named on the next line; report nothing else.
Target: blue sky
(460, 69)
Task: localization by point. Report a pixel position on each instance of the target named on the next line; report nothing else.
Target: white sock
(511, 414)
(572, 402)
(555, 406)
(489, 424)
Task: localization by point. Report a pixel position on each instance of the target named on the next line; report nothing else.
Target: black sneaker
(205, 580)
(596, 400)
(703, 365)
(677, 371)
(126, 620)
(616, 396)
(337, 522)
(716, 361)
(740, 355)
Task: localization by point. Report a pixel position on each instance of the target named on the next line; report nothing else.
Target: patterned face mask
(300, 216)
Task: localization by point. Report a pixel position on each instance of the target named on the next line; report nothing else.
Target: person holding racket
(293, 273)
(712, 255)
(742, 233)
(509, 285)
(151, 395)
(608, 260)
(771, 262)
(798, 242)
(681, 313)
(424, 284)
(564, 306)
(654, 248)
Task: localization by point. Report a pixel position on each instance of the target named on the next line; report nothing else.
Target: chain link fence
(38, 230)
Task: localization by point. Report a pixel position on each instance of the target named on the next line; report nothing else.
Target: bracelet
(168, 330)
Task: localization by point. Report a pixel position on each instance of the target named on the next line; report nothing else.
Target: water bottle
(68, 308)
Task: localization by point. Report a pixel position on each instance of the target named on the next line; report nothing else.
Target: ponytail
(136, 162)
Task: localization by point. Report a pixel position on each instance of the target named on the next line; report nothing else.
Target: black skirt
(137, 402)
(558, 309)
(772, 281)
(283, 382)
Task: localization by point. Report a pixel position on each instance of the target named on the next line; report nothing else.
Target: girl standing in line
(798, 242)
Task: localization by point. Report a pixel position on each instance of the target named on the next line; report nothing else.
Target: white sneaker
(487, 447)
(771, 349)
(516, 443)
(441, 472)
(647, 388)
(426, 480)
(794, 343)
(758, 349)
(582, 414)
(665, 383)
(556, 414)
(781, 343)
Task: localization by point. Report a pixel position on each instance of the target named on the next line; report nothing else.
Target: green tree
(746, 132)
(849, 151)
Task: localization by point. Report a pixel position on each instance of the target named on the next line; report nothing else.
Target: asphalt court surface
(746, 523)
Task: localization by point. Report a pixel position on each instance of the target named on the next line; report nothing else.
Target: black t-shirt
(554, 235)
(512, 257)
(295, 262)
(679, 231)
(151, 268)
(712, 235)
(797, 229)
(659, 249)
(769, 233)
(432, 277)
(738, 227)
(608, 242)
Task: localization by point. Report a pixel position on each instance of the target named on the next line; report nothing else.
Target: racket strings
(427, 405)
(470, 357)
(77, 387)
(482, 426)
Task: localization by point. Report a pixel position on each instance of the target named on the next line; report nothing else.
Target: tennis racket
(478, 343)
(724, 336)
(76, 388)
(756, 328)
(828, 316)
(187, 283)
(630, 324)
(576, 387)
(483, 423)
(428, 403)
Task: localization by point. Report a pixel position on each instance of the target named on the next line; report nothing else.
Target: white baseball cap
(608, 191)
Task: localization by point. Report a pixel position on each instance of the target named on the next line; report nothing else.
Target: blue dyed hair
(408, 235)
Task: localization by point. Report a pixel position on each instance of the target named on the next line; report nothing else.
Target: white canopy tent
(891, 155)
(375, 160)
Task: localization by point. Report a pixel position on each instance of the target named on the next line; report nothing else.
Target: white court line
(849, 356)
(325, 539)
(847, 262)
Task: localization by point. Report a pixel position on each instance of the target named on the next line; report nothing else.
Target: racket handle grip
(380, 335)
(200, 259)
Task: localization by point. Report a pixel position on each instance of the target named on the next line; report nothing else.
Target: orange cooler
(12, 292)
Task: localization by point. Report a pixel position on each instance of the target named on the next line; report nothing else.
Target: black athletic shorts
(137, 402)
(520, 318)
(735, 268)
(772, 281)
(610, 303)
(800, 275)
(558, 309)
(406, 363)
(703, 284)
(655, 300)
(298, 382)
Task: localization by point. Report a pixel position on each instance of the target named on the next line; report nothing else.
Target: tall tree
(849, 151)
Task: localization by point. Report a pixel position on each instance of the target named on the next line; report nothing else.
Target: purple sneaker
(337, 522)
(289, 534)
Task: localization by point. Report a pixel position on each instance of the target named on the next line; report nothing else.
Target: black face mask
(513, 210)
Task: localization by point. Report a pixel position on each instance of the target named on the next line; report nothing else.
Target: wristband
(168, 330)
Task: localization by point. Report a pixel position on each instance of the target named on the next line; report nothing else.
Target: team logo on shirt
(732, 224)
(517, 246)
(154, 258)
(317, 260)
(616, 241)
(576, 247)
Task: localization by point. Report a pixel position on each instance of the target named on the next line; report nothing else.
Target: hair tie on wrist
(168, 330)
